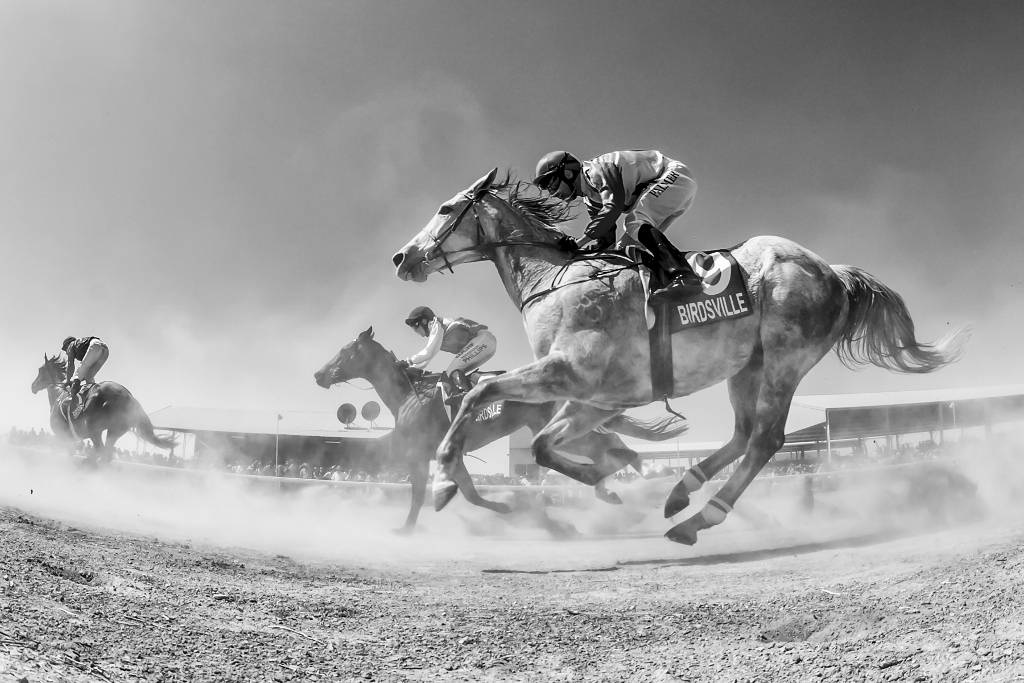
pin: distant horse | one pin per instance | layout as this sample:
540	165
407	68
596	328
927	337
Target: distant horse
421	421
585	320
106	407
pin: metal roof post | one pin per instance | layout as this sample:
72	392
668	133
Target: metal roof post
828	435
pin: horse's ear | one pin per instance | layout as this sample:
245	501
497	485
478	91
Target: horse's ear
481	186
367	333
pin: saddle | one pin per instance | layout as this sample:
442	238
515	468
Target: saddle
426	384
85	395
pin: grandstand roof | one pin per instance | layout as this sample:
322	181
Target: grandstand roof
236	421
894	398
854	416
902	412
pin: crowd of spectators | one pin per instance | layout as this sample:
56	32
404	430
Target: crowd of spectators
866	454
31	437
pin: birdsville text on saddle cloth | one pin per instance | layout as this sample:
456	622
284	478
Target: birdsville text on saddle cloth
724	295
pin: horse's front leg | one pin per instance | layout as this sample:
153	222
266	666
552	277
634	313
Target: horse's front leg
419	469
548	379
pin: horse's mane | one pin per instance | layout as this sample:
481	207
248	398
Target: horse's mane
543	211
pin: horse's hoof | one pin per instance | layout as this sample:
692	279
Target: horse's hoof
677	501
443	494
502	508
609	497
403	531
684	532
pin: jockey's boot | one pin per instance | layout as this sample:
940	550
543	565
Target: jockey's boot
75	407
682	281
444	383
460	385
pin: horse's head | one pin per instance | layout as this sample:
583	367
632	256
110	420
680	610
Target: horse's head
51	372
361	357
451	237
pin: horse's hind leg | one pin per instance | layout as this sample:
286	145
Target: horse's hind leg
743	390
113	434
469	492
544	380
572	421
766	438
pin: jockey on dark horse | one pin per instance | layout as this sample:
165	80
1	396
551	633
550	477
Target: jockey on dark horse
645	185
472	343
91	353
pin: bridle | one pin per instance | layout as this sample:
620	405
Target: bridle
485	250
482	248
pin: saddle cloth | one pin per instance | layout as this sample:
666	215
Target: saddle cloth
723	297
426	388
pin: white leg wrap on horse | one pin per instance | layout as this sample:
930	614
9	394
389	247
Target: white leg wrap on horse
715	511
693	479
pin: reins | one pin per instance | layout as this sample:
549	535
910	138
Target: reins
556	284
483	247
485	250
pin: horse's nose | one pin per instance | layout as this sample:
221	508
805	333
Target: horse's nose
319	378
397	259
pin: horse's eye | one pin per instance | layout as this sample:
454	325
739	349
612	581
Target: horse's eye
444	210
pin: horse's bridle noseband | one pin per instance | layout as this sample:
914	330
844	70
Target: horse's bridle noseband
443	235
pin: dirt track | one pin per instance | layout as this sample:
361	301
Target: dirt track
102	604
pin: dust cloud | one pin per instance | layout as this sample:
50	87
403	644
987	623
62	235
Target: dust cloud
554	531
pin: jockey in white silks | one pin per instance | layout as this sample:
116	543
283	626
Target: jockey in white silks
644	186
91	353
472	343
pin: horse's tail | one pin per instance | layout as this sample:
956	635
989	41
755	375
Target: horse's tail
658	429
144	428
879	330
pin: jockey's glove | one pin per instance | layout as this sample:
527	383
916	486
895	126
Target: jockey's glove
568	243
601	243
403	364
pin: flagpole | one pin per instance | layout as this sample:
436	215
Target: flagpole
277	441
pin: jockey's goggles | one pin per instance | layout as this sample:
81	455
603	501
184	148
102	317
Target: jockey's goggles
550	179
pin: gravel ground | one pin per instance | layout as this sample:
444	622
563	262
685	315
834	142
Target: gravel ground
81	605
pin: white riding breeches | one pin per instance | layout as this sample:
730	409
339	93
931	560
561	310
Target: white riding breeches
95	357
665	200
478	351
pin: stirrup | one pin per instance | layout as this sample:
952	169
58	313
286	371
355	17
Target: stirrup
679	286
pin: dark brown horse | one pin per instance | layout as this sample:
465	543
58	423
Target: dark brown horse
421	422
107	407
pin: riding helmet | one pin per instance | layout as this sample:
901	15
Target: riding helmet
418	314
551	164
68	341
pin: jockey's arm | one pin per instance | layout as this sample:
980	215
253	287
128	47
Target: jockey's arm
613	200
69	368
433	345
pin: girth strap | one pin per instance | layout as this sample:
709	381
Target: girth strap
660	336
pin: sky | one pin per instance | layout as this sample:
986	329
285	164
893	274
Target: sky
216	189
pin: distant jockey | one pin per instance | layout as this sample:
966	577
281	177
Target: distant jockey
471	342
92	354
644	185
